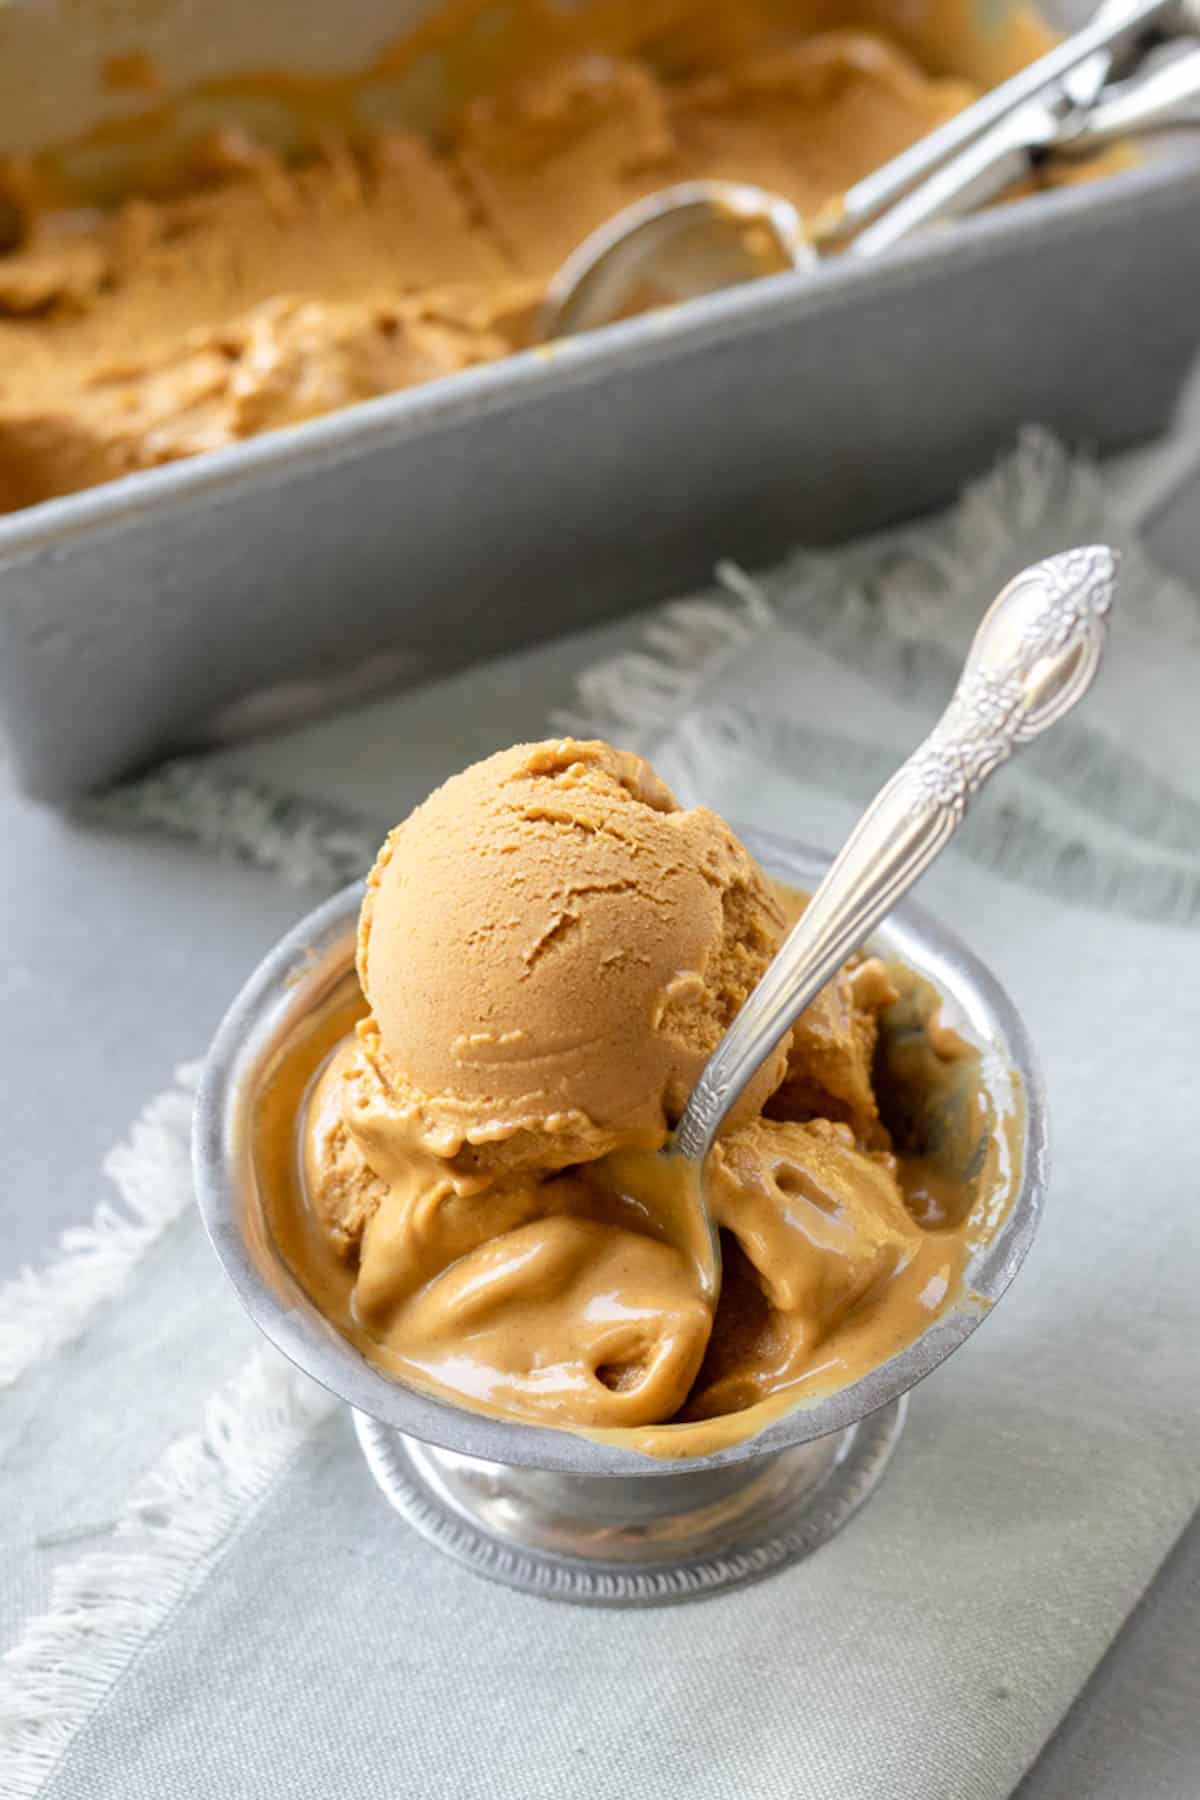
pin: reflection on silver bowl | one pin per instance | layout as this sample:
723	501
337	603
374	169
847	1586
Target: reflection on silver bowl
547	1510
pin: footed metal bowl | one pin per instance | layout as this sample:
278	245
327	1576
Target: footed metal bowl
547	1510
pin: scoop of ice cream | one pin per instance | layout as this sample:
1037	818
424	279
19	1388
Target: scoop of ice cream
812	1226
832	1047
343	1190
564	1318
551	948
831	1050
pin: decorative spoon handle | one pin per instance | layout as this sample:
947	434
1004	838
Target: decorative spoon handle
1033	657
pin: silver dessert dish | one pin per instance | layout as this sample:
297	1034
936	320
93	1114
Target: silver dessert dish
552	1512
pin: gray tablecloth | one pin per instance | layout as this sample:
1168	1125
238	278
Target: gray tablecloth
121	953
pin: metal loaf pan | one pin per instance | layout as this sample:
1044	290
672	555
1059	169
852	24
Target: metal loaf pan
538	494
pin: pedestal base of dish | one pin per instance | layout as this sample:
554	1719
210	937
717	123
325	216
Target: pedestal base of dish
604	1540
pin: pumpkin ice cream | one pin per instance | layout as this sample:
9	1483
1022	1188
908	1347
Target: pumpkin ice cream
549	949
552	948
257	290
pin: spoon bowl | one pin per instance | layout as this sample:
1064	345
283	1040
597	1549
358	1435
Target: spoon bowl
673	246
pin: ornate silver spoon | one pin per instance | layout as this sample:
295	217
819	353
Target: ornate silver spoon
1035	654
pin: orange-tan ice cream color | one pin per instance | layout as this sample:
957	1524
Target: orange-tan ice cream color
550	948
161	298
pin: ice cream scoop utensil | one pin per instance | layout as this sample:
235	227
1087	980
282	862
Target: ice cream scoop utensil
1163	92
698	236
1034	655
1113	24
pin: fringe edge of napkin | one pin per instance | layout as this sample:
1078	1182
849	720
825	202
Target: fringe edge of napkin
105	1607
308	842
636	694
1089	822
643	693
43	1309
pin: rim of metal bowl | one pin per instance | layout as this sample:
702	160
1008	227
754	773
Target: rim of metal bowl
305	964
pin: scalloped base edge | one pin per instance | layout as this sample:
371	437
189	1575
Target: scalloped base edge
593	1541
